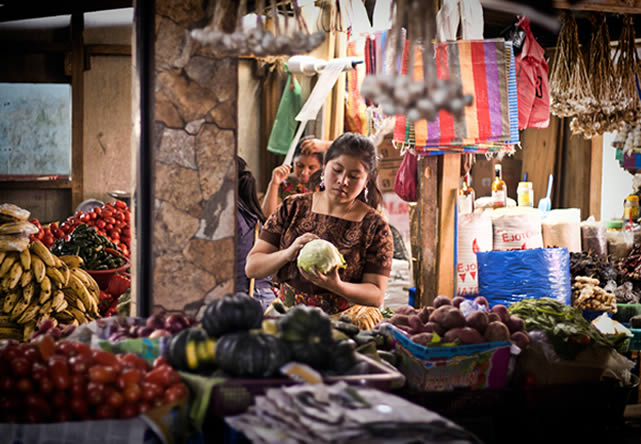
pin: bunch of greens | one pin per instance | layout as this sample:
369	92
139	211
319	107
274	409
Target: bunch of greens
566	328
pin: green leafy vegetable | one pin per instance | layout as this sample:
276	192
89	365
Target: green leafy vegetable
320	255
566	328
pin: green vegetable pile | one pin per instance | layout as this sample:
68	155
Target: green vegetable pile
566	328
90	246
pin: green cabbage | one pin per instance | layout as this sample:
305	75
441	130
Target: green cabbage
320	255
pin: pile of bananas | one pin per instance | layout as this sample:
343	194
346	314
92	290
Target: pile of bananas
35	284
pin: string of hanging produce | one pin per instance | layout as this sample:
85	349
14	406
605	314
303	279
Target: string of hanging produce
402	94
258	40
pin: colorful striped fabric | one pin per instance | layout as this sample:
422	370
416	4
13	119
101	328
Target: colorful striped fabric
485	69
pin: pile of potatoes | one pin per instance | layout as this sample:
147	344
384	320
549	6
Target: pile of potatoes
446	320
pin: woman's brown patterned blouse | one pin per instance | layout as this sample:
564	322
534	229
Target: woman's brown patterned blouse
367	246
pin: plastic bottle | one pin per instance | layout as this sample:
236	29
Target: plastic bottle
525	194
631	207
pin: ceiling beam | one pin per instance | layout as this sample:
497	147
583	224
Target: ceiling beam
23	10
612	6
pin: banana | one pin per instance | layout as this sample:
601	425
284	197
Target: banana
15	332
65	271
88	281
82	292
26	278
28	330
38	267
57	299
64	317
29	291
2	255
43	253
5	321
63	306
7	263
73	299
14	275
19	308
80	316
72	261
45	290
46	307
10	300
25	259
56	260
4	284
29	314
56	276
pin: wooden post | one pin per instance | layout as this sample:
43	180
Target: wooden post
337	113
596	172
449	174
77	99
428	221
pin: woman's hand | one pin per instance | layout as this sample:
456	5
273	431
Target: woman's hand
330	281
311	146
280	173
294	248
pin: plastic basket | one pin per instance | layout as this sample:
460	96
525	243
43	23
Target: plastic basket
441	368
234	396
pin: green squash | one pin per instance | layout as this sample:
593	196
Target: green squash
255	355
343	357
191	350
308	332
232	313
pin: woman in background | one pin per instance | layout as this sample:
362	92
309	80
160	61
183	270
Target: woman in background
249	218
343	213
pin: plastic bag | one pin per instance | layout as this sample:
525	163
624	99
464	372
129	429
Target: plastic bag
405	181
532	81
562	228
620	243
474	234
284	128
517	228
593	237
506	277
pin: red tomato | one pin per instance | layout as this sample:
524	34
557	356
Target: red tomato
59	399
103	373
40	234
48	240
79	407
175	393
24	385
101	223
46	345
109	227
38	402
115	399
128	411
130	376
79	213
120	204
59	371
105	358
33	416
7	384
160	360
150	391
9	402
109	220
98	211
115	236
83	350
46	385
93	215
132	393
66	347
105	411
107	212
78	364
53	226
63	415
20	366
38	371
144	407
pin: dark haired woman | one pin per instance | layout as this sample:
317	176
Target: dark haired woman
249	217
343	213
286	180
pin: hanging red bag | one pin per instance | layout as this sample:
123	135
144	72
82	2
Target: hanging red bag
405	181
532	81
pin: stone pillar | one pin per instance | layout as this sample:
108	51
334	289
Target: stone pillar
194	141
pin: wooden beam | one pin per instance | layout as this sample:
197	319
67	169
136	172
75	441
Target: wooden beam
337	114
77	101
427	236
21	10
108	50
449	174
596	177
612	6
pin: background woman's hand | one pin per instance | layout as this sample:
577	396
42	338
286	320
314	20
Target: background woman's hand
280	173
300	241
311	146
329	281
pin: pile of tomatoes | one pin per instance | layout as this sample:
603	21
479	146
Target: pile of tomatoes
44	381
111	220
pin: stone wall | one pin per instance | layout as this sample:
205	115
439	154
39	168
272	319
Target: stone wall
194	171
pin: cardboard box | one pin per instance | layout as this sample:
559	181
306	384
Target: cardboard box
483	175
387	152
387	174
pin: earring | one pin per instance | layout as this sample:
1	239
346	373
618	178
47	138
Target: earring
322	182
366	193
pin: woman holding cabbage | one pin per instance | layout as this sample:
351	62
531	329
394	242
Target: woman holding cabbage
342	213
